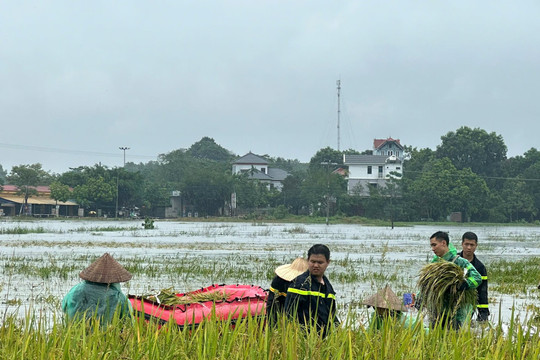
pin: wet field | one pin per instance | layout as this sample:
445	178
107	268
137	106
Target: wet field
40	260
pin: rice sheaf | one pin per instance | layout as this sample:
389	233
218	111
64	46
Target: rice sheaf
438	284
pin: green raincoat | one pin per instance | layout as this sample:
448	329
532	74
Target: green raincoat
376	322
473	279
90	299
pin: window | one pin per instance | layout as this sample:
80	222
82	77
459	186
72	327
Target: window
380	169
398	168
263	170
369	169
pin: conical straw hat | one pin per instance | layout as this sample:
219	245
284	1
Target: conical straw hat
105	270
290	271
385	298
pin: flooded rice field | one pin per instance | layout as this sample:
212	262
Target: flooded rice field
40	260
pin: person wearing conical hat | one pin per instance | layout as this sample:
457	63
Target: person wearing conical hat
388	307
99	294
285	274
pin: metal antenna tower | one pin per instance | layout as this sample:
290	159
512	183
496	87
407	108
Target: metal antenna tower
338	83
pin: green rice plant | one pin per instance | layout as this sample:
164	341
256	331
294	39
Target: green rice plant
36	337
513	276
103	229
438	284
23	230
296	230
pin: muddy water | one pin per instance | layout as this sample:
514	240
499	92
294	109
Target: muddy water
190	255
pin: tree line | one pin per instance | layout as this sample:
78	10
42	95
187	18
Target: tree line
468	172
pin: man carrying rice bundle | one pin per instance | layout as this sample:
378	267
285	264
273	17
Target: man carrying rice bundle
445	287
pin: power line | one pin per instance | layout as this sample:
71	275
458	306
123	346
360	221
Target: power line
480	176
69	151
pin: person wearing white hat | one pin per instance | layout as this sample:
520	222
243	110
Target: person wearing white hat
285	274
99	294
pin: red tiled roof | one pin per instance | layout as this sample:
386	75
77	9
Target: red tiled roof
15	188
377	143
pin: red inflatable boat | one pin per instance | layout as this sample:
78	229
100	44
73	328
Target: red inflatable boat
242	301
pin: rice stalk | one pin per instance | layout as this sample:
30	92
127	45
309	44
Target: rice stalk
438	285
170	297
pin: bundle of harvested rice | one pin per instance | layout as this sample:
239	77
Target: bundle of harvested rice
168	297
438	285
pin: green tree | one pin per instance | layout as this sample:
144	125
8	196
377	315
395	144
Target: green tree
515	166
476	149
206	188
323	190
155	195
515	201
174	166
325	155
246	191
441	189
60	192
27	177
291	166
96	193
207	149
416	160
129	188
3	175
531	177
291	193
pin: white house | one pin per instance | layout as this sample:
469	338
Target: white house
367	171
257	168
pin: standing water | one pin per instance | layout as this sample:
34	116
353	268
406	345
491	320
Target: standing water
41	260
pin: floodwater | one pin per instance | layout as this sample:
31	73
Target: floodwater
364	258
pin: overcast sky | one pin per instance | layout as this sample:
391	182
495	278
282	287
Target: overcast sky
79	79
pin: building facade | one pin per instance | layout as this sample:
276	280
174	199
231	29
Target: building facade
373	171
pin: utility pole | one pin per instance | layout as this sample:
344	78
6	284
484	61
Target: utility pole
328	163
123	148
338	111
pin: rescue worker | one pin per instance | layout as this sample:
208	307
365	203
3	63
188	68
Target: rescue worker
311	299
469	242
275	302
444	251
99	294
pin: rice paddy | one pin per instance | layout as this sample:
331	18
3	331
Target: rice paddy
40	264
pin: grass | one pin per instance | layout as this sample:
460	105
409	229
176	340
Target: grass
18	230
51	338
511	276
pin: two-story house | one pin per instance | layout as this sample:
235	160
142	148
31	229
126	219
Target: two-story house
257	168
367	171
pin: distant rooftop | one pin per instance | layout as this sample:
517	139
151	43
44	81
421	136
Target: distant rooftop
251	158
